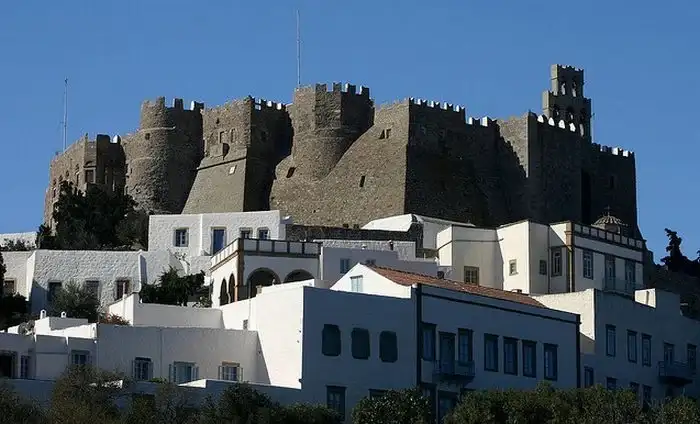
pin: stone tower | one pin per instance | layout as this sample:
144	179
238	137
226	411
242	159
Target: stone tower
243	141
162	157
325	124
565	99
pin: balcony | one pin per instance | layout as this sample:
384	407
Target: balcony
453	372
623	287
675	373
267	247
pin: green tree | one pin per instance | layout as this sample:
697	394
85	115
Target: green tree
173	289
170	404
94	220
76	301
84	395
15	245
680	410
14	308
16	410
241	404
393	407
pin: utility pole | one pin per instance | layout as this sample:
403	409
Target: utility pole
65	113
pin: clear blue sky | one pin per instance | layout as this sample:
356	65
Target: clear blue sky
641	61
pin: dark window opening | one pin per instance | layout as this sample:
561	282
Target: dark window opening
362	181
290	172
612	182
330	340
147	136
360	343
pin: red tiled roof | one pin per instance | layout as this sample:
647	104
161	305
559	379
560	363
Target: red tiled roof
405	278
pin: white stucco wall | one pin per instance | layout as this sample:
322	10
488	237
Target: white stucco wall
461	246
331	261
103	266
161	229
600	249
514	244
155	315
372	283
358	376
29	238
16	264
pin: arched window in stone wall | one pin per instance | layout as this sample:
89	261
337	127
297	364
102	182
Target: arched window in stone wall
232	288
574	87
223	294
569	114
298	275
562	87
555	112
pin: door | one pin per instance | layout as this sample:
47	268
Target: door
7	365
218	240
668	353
447	353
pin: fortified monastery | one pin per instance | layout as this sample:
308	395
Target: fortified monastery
334	158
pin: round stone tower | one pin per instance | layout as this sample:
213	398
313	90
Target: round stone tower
162	157
325	124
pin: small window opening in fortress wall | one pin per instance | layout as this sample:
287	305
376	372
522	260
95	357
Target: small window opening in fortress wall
221	136
147	136
362	181
290	172
612	182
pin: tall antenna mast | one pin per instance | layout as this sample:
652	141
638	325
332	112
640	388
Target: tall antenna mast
298	52
65	113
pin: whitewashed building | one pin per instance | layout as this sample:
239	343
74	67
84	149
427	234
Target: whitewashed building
641	342
469	338
536	258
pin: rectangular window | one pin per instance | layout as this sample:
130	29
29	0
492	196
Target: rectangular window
218	240
610	340
93	287
344	265
529	358
669	353
543	267
646	395
181	237
54	287
512	267
330	340
80	357
471	274
360	343
551	363
24	367
465	352
263	233
692	352
510	356
245	233
89	175
634	387
491	352
8	287
630	272
229	371
646	350
122	287
143	369
588	377
556	262
335	399
183	372
631	346
388	346
611	383
356	284
428	336
610	269
587	264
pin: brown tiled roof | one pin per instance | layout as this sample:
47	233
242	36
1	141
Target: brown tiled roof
405	278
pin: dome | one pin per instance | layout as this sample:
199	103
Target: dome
611	223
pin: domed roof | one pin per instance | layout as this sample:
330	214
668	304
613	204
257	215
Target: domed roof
608	220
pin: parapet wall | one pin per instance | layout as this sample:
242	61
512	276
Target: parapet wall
155	114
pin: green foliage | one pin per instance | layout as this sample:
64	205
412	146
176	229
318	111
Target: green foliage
13	310
173	289
76	301
95	220
240	403
3	268
113	319
303	413
17	245
675	260
16	410
393	407
83	395
169	405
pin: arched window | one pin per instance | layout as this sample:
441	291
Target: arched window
555	112
223	294
562	88
574	88
569	115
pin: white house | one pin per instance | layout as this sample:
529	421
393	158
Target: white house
469	338
431	228
206	234
540	259
38	274
243	266
642	343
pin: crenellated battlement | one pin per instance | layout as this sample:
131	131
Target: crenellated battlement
337	87
448	107
543	119
483	122
262	104
615	151
177	104
86	143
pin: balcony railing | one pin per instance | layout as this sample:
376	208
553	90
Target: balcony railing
267	247
454	371
616	285
676	373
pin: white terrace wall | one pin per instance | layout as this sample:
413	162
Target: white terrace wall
155	315
16	264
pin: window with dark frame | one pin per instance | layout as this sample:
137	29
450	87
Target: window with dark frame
646	350
610	340
512	267
360	343
428	341
335	399
551	362
587	264
181	237
631	346
388	346
330	340
465	346
491	352
471	274
510	356
529	358
556	262
588	377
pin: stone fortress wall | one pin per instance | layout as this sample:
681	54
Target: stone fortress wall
331	158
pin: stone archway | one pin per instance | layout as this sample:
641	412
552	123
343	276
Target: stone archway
261	277
298	275
232	288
